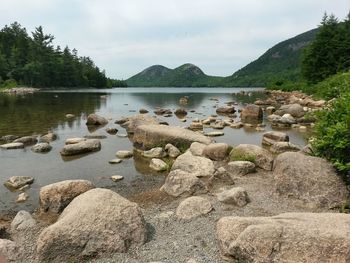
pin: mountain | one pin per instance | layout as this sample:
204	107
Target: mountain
281	62
187	75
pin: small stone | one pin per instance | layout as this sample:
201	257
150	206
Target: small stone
13	145
116	178
172	151
157	152
124	154
214	134
42	147
70	116
112	131
115	161
22	197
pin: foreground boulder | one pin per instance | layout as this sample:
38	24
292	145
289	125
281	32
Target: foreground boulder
310	179
249	152
148	136
94	119
8	251
251	114
289	237
196	165
55	197
192	207
91	145
183	183
97	221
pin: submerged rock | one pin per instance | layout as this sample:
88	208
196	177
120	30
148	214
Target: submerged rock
96	222
289	237
158	165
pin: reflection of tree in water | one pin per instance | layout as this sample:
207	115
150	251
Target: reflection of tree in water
164	100
39	112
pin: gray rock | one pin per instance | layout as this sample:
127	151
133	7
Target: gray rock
22	197
115	161
251	114
116	178
183	183
96	222
8	250
197	148
158	165
16	182
22	221
55	197
124	154
75	140
216	151
27	140
281	147
91	145
146	136
289	237
240	168
157	152
41	147
309	179
196	165
94	119
235	196
12	145
262	158
172	151
49	137
192	207
271	137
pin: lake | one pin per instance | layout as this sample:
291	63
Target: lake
43	111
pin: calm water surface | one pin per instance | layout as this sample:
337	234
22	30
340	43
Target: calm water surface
37	113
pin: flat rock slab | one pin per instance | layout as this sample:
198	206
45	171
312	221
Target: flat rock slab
289	237
13	145
91	145
149	136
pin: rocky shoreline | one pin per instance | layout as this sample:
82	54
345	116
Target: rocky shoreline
218	203
20	90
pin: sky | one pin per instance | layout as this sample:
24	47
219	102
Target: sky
126	36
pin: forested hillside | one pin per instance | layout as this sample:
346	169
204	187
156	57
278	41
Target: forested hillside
33	60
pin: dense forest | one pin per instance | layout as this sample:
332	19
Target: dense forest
33	60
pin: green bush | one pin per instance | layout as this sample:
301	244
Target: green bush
333	87
332	133
9	83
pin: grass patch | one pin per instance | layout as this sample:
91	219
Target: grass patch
240	156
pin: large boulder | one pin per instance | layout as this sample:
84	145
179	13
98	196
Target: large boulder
310	179
196	165
271	137
94	119
148	136
132	122
91	145
183	183
216	151
192	207
249	152
55	197
251	114
97	221
289	237
296	110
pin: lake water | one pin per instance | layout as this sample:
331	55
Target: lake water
37	113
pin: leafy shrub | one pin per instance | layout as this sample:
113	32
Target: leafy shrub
9	83
333	86
332	133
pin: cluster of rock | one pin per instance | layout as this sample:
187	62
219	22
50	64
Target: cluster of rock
20	90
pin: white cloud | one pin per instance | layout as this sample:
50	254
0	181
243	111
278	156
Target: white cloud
125	36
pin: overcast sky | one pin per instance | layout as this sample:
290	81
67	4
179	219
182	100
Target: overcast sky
125	36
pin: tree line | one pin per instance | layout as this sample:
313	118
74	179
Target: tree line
33	60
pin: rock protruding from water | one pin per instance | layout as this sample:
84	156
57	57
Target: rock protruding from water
271	137
42	147
94	119
192	207
182	183
86	146
132	122
309	179
281	147
251	114
249	152
12	145
289	237
158	165
147	136
27	140
16	182
55	197
97	221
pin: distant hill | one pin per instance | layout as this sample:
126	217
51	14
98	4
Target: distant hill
281	62
187	75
